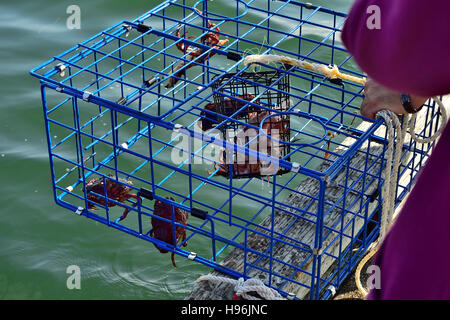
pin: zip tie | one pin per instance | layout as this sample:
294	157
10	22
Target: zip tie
79	211
61	68
128	28
86	96
148	83
177	127
122	101
192	256
290	296
332	290
295	166
143	28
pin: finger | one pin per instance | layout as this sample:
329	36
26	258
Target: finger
366	109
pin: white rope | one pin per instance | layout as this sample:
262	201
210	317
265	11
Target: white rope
243	288
390	184
329	71
389	187
393	163
443	120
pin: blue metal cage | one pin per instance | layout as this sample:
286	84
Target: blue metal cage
118	109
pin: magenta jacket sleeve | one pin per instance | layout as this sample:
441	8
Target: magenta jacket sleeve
410	51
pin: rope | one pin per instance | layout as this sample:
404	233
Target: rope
389	187
243	288
431	139
331	72
393	164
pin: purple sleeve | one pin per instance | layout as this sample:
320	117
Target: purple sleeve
410	52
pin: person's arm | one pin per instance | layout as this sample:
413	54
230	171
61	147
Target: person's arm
410	51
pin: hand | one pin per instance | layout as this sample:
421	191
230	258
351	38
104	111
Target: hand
379	98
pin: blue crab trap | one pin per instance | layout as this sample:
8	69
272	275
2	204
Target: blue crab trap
156	128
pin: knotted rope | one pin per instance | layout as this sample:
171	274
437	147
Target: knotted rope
242	287
329	71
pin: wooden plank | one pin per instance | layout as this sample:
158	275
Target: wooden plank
304	231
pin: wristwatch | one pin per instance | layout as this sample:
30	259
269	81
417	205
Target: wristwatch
407	105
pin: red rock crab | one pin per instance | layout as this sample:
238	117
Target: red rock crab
163	230
210	39
119	192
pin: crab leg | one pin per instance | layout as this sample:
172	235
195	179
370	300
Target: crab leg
173	259
182	71
210	38
125	213
181	237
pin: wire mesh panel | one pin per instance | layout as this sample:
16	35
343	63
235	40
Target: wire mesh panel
143	123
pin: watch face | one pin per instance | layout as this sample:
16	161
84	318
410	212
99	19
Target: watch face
405	98
406	102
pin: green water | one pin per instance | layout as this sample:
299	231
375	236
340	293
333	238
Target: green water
38	239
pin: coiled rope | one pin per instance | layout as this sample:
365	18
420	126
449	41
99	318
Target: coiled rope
389	186
243	288
390	183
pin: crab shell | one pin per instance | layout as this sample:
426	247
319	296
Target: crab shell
116	191
163	230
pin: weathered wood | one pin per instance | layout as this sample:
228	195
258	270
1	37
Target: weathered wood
303	230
